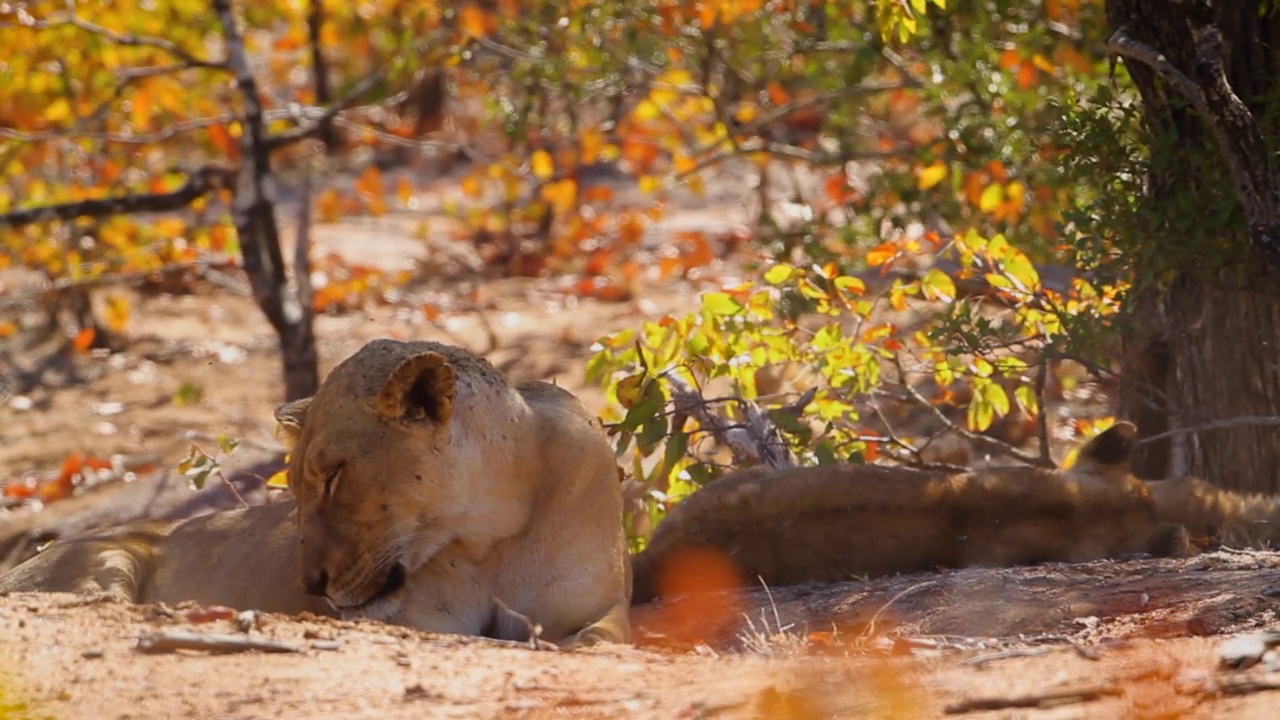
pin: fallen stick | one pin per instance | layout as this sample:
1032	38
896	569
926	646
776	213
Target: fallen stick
167	642
1051	698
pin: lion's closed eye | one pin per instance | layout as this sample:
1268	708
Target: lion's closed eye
331	481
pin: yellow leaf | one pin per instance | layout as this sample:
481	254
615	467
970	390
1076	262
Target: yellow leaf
1016	193
280	479
118	312
562	195
58	111
650	184
939	286
991	197
646	111
932	175
543	166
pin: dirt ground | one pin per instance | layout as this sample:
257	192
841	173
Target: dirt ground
1138	639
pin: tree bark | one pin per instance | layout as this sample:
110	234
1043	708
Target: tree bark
1208	339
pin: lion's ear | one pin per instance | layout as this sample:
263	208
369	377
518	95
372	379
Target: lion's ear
291	415
1111	449
421	387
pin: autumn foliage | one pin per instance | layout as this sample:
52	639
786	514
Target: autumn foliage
906	251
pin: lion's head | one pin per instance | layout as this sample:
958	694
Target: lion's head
373	471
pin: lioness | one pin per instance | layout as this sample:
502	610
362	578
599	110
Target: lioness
832	523
429	493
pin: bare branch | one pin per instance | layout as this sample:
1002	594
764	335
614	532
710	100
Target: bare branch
757	439
168	133
198	184
1227	424
320	73
326	117
207	265
129	40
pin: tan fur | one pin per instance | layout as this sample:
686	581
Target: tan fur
1208	511
832	523
488	497
241	558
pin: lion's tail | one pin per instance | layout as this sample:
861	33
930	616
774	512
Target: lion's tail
1210	511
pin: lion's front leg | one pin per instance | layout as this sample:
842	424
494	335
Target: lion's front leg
614	627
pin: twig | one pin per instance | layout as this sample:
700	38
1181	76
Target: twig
757	439
534	629
980	660
999	445
1042	413
1254	420
174	640
328	117
198	184
875	617
1050	698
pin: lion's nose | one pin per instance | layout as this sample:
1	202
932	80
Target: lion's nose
316	581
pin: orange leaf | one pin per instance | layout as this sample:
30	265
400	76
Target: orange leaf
84	340
370	182
226	144
597	193
475	22
669	266
778	95
630	228
404	191
881	254
707	12
1027	76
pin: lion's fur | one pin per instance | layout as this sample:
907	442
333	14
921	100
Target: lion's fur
833	523
241	558
492	497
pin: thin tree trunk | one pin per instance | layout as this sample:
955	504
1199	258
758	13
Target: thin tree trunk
257	231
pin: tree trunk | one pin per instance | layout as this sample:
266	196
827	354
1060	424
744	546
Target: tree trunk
298	352
1206	338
